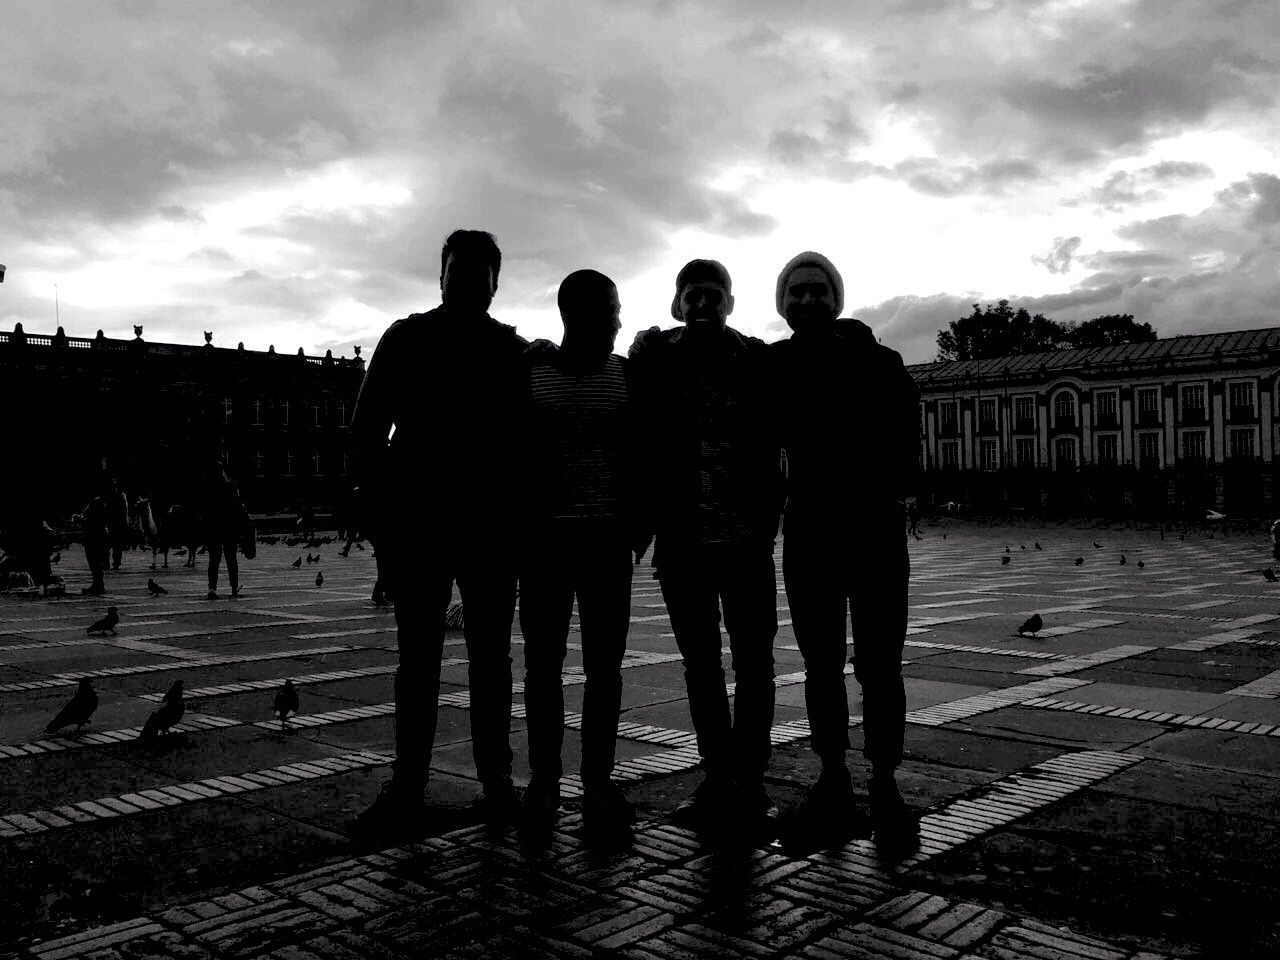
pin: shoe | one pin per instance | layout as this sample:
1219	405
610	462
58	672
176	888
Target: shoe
235	593
540	802
707	806
606	808
396	812
211	595
827	817
896	826
92	591
498	803
756	813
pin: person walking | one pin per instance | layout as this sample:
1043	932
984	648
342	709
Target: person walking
224	516
585	528
714	474
848	417
454	384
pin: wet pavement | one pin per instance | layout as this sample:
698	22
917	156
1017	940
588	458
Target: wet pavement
1106	788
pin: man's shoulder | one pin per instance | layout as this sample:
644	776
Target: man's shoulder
654	339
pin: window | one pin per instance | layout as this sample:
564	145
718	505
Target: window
1106	404
1065	452
987	413
1149	449
226	410
1149	405
1242	443
1193	445
947	416
1241	397
342	413
1025	451
257	414
1024	412
951	455
317	464
988	455
1193	403
259	463
1108	449
288	463
1064	410
284	417
315	414
346	463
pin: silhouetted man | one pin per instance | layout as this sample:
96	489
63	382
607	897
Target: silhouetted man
583	533
849	423
449	388
714	477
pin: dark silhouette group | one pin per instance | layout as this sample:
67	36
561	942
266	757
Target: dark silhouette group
534	474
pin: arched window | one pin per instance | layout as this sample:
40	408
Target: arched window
1064	410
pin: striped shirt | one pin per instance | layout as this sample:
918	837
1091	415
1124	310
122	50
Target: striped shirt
579	422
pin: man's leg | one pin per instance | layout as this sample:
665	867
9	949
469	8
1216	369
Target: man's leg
233	566
748	590
420	641
215	555
546	608
604	611
487	582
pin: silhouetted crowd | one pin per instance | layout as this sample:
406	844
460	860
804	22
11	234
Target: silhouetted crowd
534	475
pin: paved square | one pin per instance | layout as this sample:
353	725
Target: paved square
1105	788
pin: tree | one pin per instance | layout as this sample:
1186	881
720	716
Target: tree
1001	331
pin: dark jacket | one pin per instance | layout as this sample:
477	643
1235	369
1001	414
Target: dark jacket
703	413
848	418
456	390
222	512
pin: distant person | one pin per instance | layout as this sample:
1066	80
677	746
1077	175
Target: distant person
1275	539
180	528
348	520
445	493
96	534
913	518
583	532
223	514
849	422
118	521
306	524
713	472
150	530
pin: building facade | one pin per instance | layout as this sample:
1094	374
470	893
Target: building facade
160	412
1161	430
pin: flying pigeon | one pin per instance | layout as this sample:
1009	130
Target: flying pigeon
286	702
1079	561
1032	625
1004	561
1123	561
78	709
106	623
1269	575
319	579
1038	547
154	588
166	715
296	564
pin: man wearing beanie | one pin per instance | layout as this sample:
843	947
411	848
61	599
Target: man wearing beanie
714	473
849	423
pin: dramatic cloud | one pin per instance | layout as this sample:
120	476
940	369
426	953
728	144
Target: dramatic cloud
1058	259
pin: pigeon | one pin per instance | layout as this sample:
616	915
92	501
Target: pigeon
1079	561
1141	564
166	715
1123	561
1006	548
1032	625
1162	533
154	588
944	534
1004	561
286	702
78	709
1097	545
319	579
296	564
57	557
1038	547
359	545
1024	546
106	623
1269	575
310	559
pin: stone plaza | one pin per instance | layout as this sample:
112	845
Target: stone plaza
1106	788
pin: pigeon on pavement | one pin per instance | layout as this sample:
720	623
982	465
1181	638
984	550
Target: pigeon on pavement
1141	564
286	702
319	579
78	709
1123	561
166	715
1004	561
106	623
1032	625
1269	575
1079	561
297	563
154	588
1097	545
1038	547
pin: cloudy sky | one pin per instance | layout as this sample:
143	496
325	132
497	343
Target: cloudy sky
284	173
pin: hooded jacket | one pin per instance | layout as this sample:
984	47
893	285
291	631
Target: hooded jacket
848	418
456	390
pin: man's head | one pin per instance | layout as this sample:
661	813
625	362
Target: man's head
703	299
810	292
589	308
469	265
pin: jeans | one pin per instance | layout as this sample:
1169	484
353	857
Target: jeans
216	552
698	581
421	588
827	574
595	566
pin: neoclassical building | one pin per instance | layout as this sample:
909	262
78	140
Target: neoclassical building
159	412
1162	429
